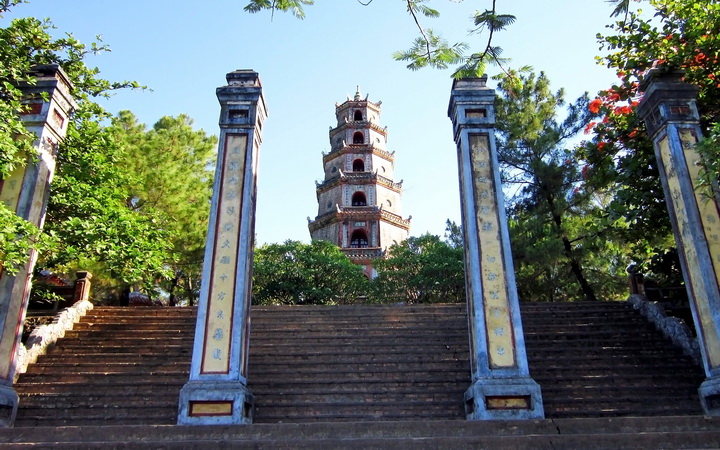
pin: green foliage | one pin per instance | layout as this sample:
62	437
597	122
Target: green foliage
294	6
423	269
431	50
169	172
293	273
17	238
25	43
88	214
557	236
677	34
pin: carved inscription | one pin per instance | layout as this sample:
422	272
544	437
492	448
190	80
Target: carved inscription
218	330
500	339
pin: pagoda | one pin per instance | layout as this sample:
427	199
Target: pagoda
358	200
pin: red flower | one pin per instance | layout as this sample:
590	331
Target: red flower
595	105
620	110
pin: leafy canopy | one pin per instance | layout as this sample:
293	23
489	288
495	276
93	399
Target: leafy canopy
293	273
424	269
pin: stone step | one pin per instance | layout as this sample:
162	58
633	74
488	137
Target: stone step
101	379
258	362
98	415
47	403
279	367
116	389
110	369
681	439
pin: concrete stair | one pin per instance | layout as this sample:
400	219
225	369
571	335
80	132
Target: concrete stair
125	366
677	432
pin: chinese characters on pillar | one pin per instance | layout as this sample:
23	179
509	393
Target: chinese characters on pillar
500	339
216	358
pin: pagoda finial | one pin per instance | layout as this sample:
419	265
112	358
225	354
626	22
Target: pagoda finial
357	93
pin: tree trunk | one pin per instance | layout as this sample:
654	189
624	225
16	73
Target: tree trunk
575	266
173	286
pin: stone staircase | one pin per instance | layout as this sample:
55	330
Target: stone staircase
361	364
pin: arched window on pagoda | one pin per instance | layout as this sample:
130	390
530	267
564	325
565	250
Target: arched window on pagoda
358	138
358	239
358	199
358	165
358	116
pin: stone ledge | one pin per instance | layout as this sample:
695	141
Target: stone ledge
673	328
43	336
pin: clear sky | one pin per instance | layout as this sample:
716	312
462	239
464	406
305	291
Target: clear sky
182	50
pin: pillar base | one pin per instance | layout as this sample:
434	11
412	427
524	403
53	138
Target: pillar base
504	398
709	392
8	406
215	403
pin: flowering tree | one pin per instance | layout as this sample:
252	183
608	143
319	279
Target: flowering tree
679	35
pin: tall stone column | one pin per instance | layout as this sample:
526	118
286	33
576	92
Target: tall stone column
501	384
217	391
670	113
26	192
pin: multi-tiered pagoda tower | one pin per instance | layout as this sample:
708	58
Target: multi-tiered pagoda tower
358	201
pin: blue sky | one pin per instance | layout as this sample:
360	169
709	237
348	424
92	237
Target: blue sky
182	51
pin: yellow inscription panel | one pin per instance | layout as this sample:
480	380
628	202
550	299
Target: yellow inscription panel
498	322
218	327
696	272
211	408
507	402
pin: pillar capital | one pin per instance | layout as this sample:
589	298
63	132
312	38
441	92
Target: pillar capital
472	105
667	98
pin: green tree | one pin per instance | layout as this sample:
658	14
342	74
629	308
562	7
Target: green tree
424	269
550	209
293	273
170	168
87	215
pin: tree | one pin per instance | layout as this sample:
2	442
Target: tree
89	218
170	168
678	34
429	49
87	215
550	211
293	273
425	269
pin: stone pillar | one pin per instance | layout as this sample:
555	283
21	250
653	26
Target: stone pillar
26	192
217	391
501	384
82	286
670	113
